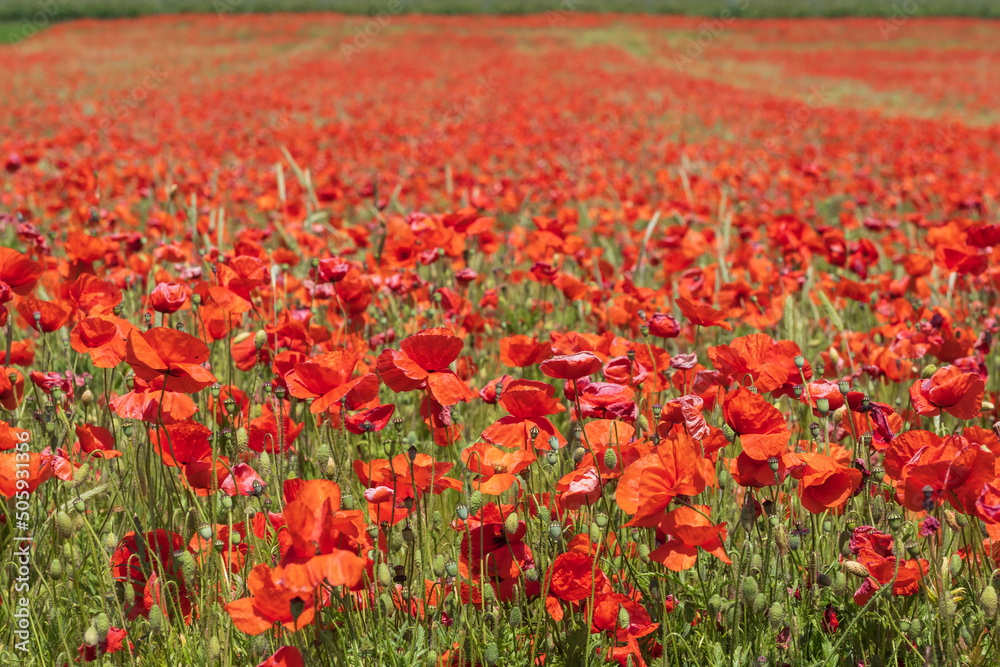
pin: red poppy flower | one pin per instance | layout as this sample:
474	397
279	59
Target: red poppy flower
15	477
269	603
423	361
18	271
286	656
496	469
171	356
11	388
649	485
522	351
103	338
51	315
96	440
663	325
147	561
371	420
761	427
824	483
949	389
168	297
152	403
113	642
703	315
528	403
689	529
327	379
750	355
572	366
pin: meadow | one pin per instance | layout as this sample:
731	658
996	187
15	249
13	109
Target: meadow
557	339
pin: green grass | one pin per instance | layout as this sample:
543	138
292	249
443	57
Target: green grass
49	10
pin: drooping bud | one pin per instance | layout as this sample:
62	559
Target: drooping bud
728	431
260	339
857	569
610	458
928	371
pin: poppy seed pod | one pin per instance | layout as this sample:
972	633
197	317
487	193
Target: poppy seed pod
895	522
555	531
823	405
462	512
799	361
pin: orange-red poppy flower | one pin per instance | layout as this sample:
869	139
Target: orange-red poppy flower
423	360
168	297
171	356
103	338
572	366
327	378
689	529
761	427
824	484
528	403
496	469
521	351
703	315
949	390
750	356
18	271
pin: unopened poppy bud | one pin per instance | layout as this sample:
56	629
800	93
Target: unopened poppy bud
492	653
949	518
260	339
515	619
156	620
856	568
794	542
988	602
55	569
987	408
90	636
776	616
475	502
955	565
214	650
823	405
610	458
64	525
87	397
623	618
643	422
827	526
729	433
748	589
510	523
928	371
384	576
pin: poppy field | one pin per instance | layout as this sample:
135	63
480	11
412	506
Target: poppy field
563	339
